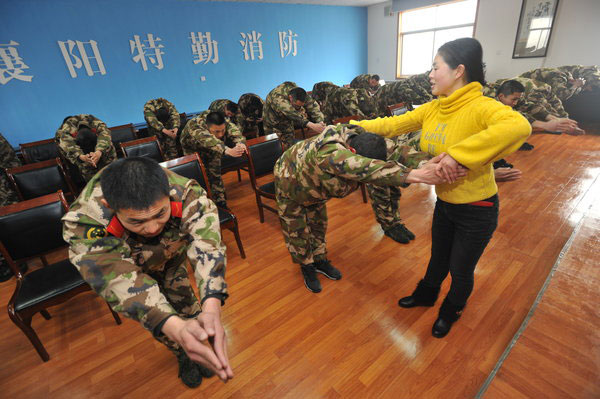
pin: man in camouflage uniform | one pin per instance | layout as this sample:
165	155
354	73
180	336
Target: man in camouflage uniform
131	233
535	101
288	106
230	109
385	200
562	83
87	163
321	90
8	159
341	102
330	165
163	122
413	90
213	137
366	81
251	107
589	74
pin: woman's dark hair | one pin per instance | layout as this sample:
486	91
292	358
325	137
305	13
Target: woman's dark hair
468	52
133	183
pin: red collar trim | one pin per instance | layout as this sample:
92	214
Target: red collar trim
115	227
176	209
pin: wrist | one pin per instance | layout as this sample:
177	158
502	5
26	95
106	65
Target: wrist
172	326
413	176
212	305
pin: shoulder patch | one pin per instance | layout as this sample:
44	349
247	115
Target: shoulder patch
95	232
115	227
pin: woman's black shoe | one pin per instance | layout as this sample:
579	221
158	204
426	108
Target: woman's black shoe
422	296
449	313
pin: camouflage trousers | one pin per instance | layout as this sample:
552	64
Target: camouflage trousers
167	144
385	203
175	286
284	131
88	171
213	172
304	229
8	195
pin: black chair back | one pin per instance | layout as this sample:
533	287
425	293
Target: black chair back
264	155
33	231
147	147
121	134
38	151
39	179
191	170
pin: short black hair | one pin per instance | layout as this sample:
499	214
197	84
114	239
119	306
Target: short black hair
163	115
298	94
376	77
255	107
64	120
133	183
215	118
509	87
86	140
369	145
231	107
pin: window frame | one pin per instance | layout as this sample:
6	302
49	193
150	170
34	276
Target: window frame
400	35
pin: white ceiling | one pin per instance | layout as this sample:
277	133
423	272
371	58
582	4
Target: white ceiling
356	3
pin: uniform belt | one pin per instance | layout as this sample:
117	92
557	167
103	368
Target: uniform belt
482	203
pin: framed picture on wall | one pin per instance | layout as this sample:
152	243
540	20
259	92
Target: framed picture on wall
535	27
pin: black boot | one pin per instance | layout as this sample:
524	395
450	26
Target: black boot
526	147
189	372
397	234
449	313
423	295
327	269
310	278
408	233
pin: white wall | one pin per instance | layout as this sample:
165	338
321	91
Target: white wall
575	37
381	42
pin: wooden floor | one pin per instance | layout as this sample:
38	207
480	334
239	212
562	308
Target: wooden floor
352	340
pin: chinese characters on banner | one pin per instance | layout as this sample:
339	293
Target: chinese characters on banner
148	48
86	54
11	65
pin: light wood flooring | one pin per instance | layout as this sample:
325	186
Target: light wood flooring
352	340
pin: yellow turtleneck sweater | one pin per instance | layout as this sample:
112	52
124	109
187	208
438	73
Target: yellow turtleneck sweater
475	130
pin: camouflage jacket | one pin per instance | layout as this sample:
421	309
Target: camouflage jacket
410	91
342	101
536	103
196	137
278	108
323	167
123	267
67	132
219	105
8	157
154	105
362	82
321	90
590	73
557	79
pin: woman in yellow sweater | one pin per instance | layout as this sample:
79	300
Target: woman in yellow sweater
473	131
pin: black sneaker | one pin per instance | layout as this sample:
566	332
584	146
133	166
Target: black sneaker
188	370
397	234
526	147
326	268
501	163
310	278
407	232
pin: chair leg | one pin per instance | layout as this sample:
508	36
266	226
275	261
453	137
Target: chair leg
364	192
45	314
261	214
236	233
239	175
115	315
25	326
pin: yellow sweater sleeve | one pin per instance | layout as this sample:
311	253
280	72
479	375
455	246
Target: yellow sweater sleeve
506	131
392	126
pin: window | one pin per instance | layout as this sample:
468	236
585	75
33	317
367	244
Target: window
422	31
